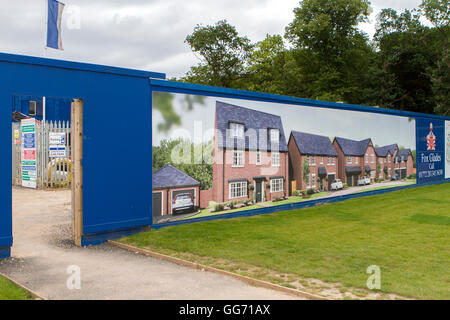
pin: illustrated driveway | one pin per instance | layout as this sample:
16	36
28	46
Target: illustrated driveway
43	252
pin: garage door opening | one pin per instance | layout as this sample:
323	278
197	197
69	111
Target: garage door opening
47	177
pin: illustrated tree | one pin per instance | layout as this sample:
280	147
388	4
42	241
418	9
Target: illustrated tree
199	168
222	52
306	170
378	169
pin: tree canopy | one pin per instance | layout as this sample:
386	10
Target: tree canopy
324	55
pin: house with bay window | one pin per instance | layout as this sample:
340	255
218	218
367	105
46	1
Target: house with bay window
321	156
250	155
355	160
385	157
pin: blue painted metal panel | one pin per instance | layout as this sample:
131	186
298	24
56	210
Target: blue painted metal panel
78	66
117	151
57	109
99	238
5	252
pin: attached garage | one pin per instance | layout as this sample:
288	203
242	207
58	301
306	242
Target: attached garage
157	203
168	183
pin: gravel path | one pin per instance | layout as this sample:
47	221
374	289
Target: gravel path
43	251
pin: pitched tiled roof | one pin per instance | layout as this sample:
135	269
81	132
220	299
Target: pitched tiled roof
169	176
383	151
405	153
257	122
352	147
312	144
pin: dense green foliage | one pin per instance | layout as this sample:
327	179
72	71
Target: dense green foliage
325	56
193	159
404	232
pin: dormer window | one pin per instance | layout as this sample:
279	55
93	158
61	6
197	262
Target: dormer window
236	130
274	135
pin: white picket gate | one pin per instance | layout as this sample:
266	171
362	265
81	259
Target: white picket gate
52	172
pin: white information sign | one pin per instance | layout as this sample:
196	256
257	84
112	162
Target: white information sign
29	166
57	144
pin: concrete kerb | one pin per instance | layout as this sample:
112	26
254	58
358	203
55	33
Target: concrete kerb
33	294
251	281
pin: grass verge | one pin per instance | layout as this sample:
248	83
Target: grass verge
404	232
9	291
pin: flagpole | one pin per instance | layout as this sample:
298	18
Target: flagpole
45	54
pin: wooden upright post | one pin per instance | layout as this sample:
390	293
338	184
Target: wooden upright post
77	170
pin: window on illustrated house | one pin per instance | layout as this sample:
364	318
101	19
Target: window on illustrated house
238	189
276	185
356	160
389	159
275	159
313	180
237	130
308	183
313	161
367	158
274	135
238	158
333	161
307	160
372	158
258	158
349	160
328	161
321	160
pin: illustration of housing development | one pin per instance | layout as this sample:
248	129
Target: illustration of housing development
253	165
320	155
249	150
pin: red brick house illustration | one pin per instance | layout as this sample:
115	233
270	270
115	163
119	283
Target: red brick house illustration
250	155
355	160
319	153
168	182
385	156
403	163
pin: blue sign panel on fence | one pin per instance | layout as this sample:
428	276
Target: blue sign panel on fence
430	150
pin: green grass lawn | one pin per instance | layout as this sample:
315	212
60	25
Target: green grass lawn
9	291
405	233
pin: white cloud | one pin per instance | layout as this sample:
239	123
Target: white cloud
147	34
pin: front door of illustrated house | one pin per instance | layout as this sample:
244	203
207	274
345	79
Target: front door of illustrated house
258	191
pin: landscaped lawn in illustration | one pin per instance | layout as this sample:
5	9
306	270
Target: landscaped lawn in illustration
294	199
9	291
404	232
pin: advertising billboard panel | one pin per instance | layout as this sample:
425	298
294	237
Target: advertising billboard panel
214	155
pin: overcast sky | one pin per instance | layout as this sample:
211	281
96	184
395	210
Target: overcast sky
146	34
382	129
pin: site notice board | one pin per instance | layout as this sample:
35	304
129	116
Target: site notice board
29	166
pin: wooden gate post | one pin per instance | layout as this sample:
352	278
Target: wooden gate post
77	170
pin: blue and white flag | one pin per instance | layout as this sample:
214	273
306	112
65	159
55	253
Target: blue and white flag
55	11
